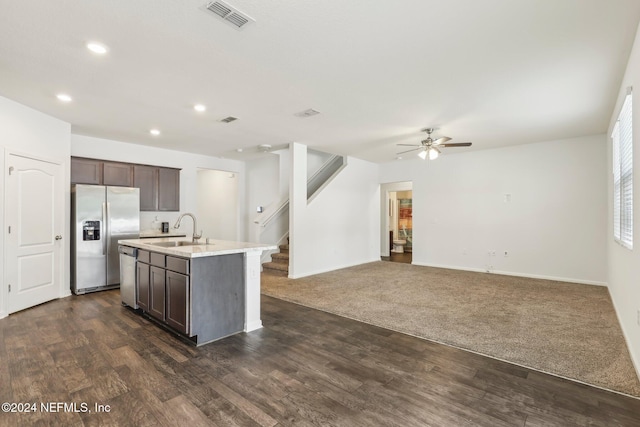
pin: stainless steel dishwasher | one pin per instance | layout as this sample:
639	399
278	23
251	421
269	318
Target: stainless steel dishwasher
128	257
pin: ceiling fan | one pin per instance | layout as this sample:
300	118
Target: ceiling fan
431	147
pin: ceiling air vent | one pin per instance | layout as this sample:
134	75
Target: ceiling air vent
230	14
229	119
307	113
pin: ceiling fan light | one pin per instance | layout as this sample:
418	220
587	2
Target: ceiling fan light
423	154
433	154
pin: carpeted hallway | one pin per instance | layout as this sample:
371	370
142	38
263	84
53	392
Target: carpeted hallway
566	329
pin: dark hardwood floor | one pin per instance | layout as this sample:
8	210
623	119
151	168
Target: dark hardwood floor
305	367
405	257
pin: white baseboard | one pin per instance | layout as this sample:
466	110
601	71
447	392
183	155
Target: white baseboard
253	326
332	268
511	273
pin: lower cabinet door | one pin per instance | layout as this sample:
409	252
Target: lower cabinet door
178	302
157	293
142	282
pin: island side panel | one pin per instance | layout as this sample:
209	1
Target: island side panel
217	296
252	294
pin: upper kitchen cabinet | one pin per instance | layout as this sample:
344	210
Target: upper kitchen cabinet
99	172
86	171
168	189
159	188
146	179
118	174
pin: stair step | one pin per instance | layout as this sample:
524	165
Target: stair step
276	268
280	258
284	248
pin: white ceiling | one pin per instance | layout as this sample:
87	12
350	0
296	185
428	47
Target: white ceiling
494	72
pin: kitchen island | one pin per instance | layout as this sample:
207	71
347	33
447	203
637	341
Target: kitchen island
203	291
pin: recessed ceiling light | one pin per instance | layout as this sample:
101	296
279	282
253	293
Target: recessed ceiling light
399	158
98	48
200	108
239	150
154	132
64	97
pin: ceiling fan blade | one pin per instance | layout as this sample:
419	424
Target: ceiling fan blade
409	145
457	144
442	140
408	151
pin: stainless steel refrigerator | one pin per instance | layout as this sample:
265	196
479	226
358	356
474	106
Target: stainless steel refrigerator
100	216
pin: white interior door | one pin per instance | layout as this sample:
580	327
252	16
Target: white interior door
34	203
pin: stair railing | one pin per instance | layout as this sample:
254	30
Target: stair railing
273	223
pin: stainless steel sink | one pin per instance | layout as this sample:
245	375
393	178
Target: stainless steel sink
177	243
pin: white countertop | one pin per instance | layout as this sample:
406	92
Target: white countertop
212	248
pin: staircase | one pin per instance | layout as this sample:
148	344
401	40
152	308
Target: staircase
279	264
274	221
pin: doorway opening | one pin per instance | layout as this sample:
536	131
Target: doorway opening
397	242
217	210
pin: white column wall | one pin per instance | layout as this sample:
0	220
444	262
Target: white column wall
624	264
553	226
340	226
27	131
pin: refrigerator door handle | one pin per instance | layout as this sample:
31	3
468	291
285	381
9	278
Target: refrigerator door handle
108	222
104	228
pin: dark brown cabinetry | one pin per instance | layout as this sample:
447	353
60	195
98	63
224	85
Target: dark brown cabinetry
146	179
177	286
168	189
86	171
163	288
157	293
118	174
159	186
142	283
98	172
201	298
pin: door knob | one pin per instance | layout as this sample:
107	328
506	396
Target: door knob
58	237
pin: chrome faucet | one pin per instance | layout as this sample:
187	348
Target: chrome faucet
196	236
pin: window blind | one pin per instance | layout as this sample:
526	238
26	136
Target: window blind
622	137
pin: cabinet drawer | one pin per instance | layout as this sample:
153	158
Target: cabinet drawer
179	265
157	259
143	256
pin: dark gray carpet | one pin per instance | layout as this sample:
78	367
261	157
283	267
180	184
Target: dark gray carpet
566	329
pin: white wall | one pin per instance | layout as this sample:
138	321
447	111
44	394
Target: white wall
217	201
553	227
340	226
84	146
624	264
27	131
263	189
